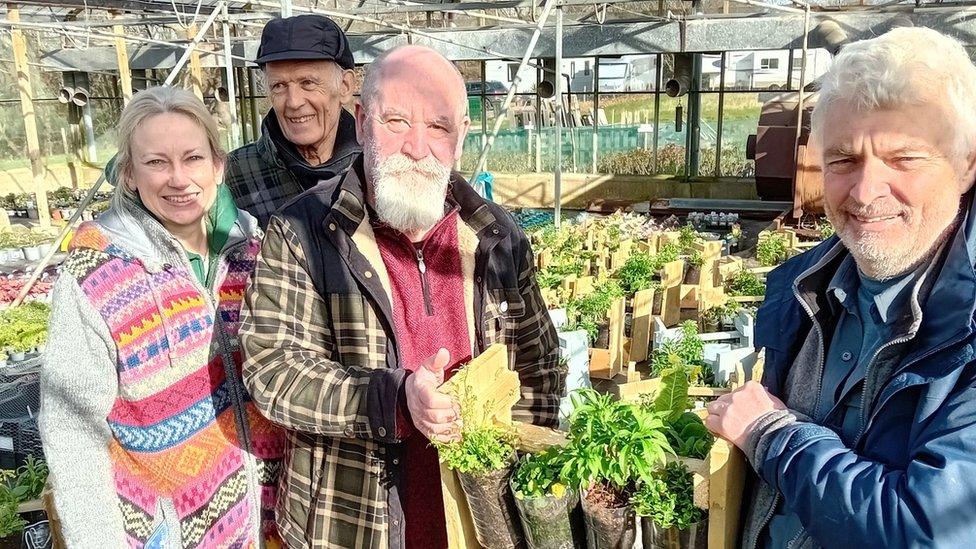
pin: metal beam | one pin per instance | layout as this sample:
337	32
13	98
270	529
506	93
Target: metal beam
179	6
768	32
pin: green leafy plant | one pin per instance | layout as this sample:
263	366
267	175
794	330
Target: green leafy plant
687	237
744	283
689	437
16	487
826	228
668	498
667	254
685	352
637	273
24	327
537	475
771	250
487	448
588	312
612	443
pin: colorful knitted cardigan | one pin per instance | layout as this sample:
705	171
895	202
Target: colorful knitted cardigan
180	441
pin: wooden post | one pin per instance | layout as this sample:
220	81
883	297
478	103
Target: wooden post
122	55
196	68
30	120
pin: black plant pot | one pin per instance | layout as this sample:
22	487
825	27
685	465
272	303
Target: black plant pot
655	537
609	528
602	336
493	509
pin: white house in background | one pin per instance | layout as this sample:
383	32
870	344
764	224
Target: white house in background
505	71
766	70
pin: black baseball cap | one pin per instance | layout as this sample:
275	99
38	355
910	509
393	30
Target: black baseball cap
304	37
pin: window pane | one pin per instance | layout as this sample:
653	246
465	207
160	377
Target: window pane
756	70
739	119
626	134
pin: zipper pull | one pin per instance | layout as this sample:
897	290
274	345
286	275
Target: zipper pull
420	261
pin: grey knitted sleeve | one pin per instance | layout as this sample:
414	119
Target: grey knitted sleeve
763	429
78	388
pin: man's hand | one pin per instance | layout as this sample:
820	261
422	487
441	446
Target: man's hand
434	414
733	416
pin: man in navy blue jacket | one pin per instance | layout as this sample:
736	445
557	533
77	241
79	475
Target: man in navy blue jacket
863	430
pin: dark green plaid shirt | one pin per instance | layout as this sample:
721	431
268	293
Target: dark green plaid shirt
263	176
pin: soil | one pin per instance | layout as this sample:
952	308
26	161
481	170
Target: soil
602	496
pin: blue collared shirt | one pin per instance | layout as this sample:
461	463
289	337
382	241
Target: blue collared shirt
866	311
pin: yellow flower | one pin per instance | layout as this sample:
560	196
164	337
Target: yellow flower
558	490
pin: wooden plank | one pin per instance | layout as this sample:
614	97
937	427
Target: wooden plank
689	296
671	306
486	388
748	298
632	391
727	470
616	315
584	286
600	364
640	330
457	514
536	439
672	273
196	68
26	91
709	249
122	57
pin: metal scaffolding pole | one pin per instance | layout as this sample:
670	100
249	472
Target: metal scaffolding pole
286	10
558	96
235	126
511	90
193	44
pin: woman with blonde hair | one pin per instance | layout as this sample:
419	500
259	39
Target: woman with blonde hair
150	436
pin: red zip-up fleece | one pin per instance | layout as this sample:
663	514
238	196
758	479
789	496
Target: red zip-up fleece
427	286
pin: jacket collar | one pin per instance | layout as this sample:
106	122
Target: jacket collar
279	151
942	302
349	208
134	233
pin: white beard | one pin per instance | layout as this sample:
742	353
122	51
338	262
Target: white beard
409	194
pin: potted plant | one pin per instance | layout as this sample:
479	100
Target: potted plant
744	283
771	250
590	312
711	318
22	519
549	509
669	517
612	446
483	460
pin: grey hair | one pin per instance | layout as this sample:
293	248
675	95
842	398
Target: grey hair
905	66
374	75
152	102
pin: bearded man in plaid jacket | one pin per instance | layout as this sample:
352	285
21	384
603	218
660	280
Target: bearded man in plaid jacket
369	291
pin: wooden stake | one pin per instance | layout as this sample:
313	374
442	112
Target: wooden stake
122	56
30	119
196	68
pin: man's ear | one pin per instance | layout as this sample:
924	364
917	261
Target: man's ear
360	122
462	134
969	176
346	87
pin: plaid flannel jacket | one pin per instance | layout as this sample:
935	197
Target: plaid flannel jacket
260	180
321	355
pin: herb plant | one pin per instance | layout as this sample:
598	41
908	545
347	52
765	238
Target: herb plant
668	498
487	448
612	443
538	475
637	273
771	250
16	487
745	283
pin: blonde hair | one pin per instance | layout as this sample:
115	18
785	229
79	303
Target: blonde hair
152	102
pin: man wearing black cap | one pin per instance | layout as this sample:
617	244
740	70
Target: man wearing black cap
307	137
